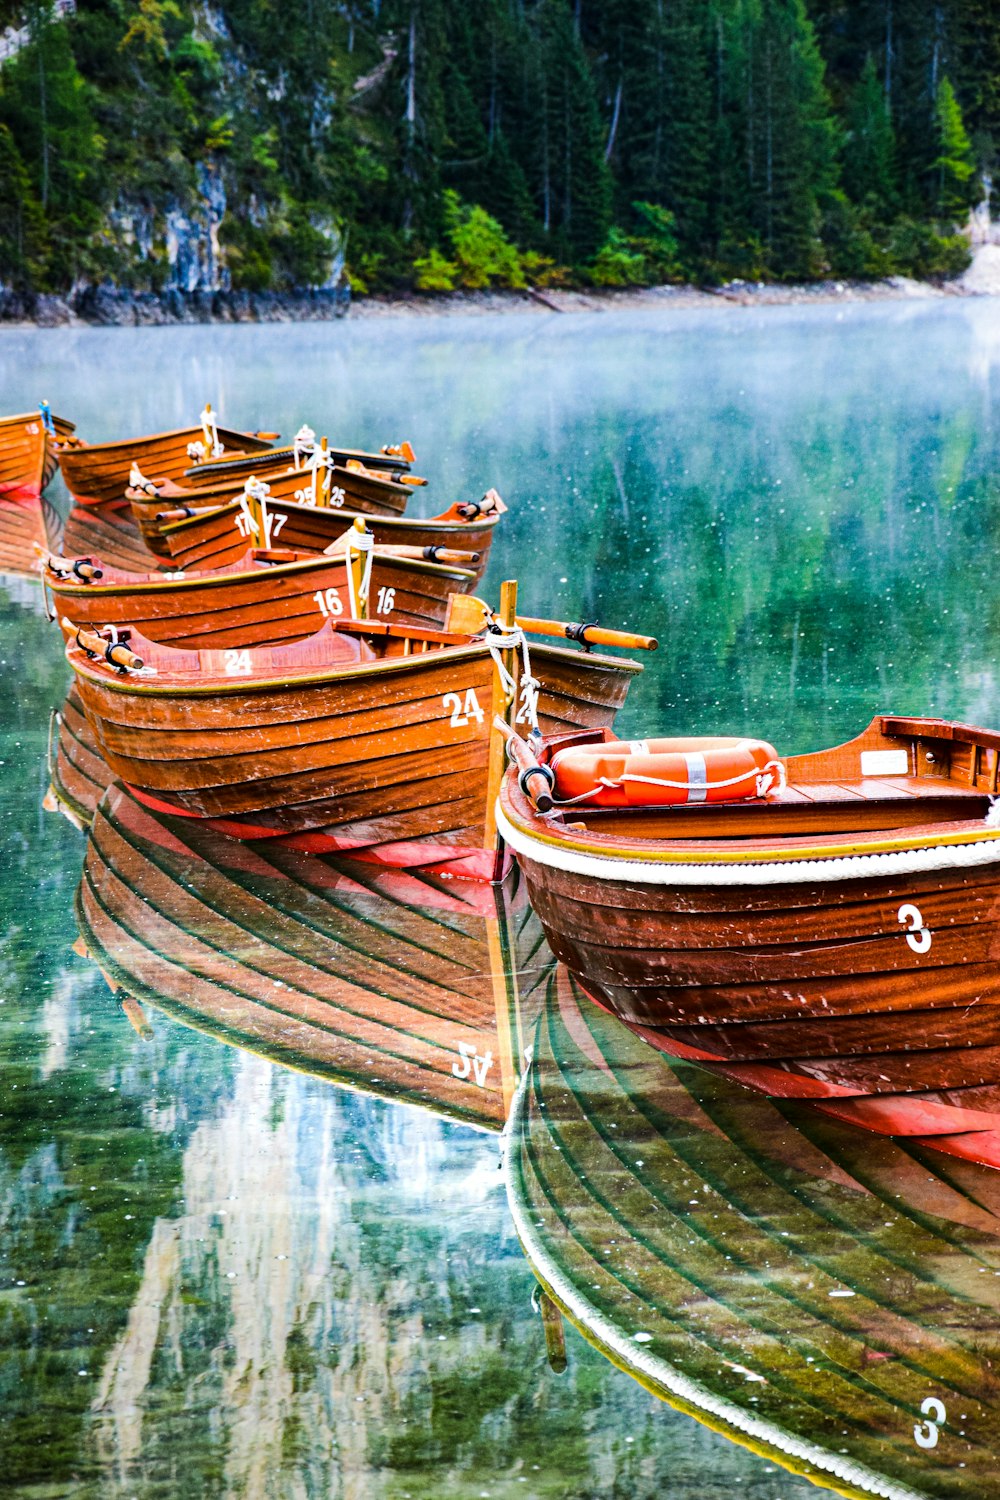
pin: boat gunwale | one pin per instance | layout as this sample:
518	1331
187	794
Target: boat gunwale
279	503
626	862
173	685
143	583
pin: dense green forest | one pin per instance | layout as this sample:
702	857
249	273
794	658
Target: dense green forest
438	143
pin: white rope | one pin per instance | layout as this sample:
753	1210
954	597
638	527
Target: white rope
499	638
764	782
303	443
320	460
257	489
138	481
981	851
210	432
359	542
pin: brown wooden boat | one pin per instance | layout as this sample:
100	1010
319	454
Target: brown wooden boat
212	538
268	597
826	1298
29	450
96	472
392	461
29	446
157	503
381	981
836	940
363	737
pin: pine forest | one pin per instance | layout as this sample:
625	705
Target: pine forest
429	145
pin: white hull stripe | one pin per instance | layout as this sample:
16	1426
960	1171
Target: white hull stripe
645	1363
985	851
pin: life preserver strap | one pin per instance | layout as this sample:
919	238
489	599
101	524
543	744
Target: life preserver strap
667	772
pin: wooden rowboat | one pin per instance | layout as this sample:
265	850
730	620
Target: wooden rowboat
212	538
365	737
99	472
380	981
825	1298
836	940
29	450
29	446
154	504
266	598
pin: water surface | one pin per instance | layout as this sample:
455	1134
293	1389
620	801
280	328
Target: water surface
226	1270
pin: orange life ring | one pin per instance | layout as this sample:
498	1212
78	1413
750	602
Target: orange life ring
666	773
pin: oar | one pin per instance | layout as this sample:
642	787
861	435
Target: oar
535	780
81	567
110	651
429	554
467	615
588	635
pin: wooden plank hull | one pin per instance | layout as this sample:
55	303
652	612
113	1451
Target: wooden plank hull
794	1283
389	754
259	605
218	537
866	977
99	472
352	494
382	982
28	454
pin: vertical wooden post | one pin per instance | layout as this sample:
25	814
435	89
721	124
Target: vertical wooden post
505	708
321	478
356	560
256	512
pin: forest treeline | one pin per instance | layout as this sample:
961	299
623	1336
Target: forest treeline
442	143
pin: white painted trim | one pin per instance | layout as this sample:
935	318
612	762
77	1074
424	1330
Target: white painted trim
645	1363
983	851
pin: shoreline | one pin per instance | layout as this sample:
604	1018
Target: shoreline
111	309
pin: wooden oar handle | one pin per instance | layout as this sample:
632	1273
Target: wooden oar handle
589	635
446	555
535	780
110	651
80	567
179	513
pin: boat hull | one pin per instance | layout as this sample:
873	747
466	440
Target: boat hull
387	756
261	605
28	454
218	537
352	493
876	997
99	472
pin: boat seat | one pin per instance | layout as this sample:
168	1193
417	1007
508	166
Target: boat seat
875	789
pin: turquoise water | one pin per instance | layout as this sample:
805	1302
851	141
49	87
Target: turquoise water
225	1270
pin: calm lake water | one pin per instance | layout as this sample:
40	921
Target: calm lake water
253	1236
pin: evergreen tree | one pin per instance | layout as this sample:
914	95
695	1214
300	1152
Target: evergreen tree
21	225
953	168
572	180
779	118
46	105
870	146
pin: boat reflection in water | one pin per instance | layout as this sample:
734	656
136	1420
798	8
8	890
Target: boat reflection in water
827	1297
392	983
